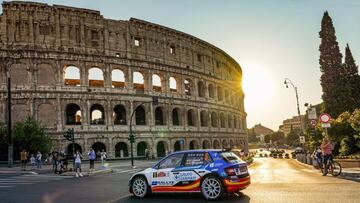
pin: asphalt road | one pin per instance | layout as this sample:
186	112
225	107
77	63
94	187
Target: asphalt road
273	180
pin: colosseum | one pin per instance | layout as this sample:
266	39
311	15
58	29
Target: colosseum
73	68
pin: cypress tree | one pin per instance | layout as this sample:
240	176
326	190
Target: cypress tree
335	94
352	77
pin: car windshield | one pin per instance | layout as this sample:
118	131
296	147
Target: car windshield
230	157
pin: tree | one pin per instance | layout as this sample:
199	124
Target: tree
252	136
276	137
31	136
351	75
293	137
335	94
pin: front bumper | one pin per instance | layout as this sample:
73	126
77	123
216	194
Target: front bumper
235	185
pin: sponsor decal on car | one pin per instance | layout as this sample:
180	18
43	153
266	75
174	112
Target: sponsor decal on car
162	183
186	176
160	174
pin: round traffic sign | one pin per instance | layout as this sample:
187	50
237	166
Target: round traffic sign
313	122
325	118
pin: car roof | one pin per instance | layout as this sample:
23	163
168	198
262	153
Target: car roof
199	150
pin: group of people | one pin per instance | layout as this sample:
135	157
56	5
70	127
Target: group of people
35	160
323	154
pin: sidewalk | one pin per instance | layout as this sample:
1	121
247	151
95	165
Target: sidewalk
346	173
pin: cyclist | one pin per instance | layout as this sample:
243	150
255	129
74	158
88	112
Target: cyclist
317	157
326	148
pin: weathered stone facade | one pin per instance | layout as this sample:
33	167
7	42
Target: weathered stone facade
115	65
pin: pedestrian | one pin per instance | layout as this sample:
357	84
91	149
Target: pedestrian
55	161
91	157
24	158
65	161
103	157
147	153
77	161
32	161
38	160
61	157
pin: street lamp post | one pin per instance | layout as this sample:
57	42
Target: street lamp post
287	81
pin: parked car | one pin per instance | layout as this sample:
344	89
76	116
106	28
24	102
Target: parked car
211	172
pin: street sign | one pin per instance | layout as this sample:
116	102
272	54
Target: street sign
325	125
325	118
312	113
302	139
313	123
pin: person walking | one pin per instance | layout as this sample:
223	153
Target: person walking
55	161
147	154
77	161
32	162
38	160
91	157
103	157
24	158
326	148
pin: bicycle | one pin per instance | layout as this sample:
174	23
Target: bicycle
332	167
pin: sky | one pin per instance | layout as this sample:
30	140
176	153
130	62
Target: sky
270	39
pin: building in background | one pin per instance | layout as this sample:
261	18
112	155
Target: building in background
73	68
291	124
259	132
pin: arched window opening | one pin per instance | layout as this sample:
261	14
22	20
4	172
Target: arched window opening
227	96
117	79
140	116
159	117
156	83
191	117
206	144
175	117
73	114
230	122
188	87
173	85
138	79
220	93
222	120
178	146
193	145
211	91
121	150
119	115
161	149
76	146
72	76
216	144
214	119
98	147
141	146
96	77
201	89
97	115
235	122
204	118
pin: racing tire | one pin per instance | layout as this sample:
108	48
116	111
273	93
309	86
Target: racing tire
140	187
212	188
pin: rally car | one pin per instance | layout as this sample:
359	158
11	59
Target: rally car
211	172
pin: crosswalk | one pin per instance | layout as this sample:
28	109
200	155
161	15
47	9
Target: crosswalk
28	179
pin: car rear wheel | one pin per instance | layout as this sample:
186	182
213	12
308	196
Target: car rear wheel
212	188
139	187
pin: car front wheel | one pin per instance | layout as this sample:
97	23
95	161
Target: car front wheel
212	188
139	187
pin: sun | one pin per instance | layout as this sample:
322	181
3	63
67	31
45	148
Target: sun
257	85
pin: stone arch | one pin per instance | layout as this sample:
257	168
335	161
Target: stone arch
201	89
161	148
19	112
220	93
46	75
121	150
117	78
47	114
157	83
19	75
194	144
222	120
77	147
140	116
71	75
98	147
235	121
138	80
73	114
216	144
173	84
204	118
191	118
206	144
175	115
178	146
224	144
119	115
160	116
214	119
140	148
232	143
230	121
211	90
96	77
97	114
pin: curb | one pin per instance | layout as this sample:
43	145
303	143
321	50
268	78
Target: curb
305	165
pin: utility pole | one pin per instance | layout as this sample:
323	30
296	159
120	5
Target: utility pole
10	142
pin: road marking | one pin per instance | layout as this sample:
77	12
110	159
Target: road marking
6	186
119	198
130	170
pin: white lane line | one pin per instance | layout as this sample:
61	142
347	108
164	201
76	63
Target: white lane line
6	186
125	171
16	183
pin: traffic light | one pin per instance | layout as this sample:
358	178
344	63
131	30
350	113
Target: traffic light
131	138
69	134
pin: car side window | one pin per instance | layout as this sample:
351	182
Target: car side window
196	159
171	162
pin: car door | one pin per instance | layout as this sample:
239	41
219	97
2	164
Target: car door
162	178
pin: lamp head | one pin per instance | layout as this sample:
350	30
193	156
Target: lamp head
306	104
287	86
